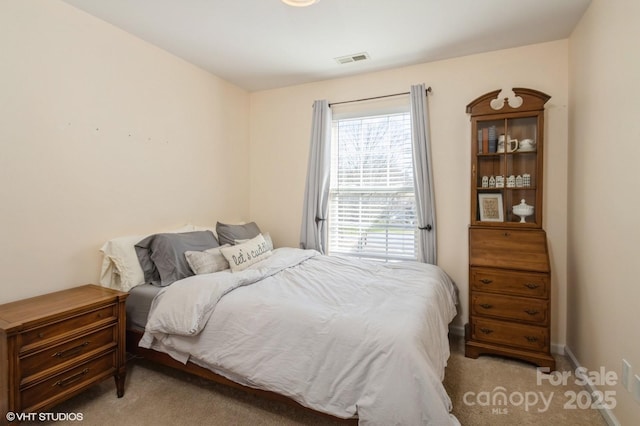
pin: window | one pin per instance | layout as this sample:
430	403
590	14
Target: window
372	196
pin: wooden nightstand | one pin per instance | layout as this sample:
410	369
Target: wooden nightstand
54	346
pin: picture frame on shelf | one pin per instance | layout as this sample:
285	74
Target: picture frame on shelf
490	206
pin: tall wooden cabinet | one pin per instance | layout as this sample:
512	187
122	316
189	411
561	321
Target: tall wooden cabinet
509	273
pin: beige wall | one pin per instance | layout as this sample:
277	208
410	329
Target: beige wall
280	128
102	135
603	231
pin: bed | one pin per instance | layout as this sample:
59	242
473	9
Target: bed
356	340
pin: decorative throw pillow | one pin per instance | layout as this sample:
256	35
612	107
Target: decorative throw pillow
162	255
241	256
228	234
208	261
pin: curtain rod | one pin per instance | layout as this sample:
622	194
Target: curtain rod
428	90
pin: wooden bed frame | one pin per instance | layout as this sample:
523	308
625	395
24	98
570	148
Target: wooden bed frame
134	336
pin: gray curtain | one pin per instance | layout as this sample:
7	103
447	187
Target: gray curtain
313	234
423	175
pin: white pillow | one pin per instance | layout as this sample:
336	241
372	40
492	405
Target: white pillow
121	269
241	256
207	261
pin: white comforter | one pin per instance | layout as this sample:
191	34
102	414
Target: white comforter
345	337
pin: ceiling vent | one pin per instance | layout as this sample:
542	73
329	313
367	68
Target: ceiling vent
357	57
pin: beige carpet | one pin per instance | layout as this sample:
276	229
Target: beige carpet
518	380
158	396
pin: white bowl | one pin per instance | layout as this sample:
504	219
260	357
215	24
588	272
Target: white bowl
527	145
523	210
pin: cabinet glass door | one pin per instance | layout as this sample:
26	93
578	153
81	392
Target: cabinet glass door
506	165
507	159
521	170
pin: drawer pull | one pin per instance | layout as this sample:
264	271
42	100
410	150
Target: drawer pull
531	339
486	281
507	234
531	312
40	335
531	286
71	351
486	306
486	330
71	379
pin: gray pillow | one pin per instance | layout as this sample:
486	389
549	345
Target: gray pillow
162	257
228	234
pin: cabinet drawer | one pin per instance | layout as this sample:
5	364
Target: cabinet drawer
40	394
510	282
510	334
65	352
57	329
535	311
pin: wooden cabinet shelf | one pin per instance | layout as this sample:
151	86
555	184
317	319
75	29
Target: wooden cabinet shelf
509	274
482	189
508	154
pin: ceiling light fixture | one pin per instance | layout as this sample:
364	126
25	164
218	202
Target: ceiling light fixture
300	3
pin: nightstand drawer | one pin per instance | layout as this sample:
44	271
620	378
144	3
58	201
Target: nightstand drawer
535	311
516	335
510	282
68	351
33	397
66	326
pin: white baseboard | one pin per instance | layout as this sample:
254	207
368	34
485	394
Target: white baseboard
558	348
606	413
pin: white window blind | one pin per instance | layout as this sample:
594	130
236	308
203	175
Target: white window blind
372	196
